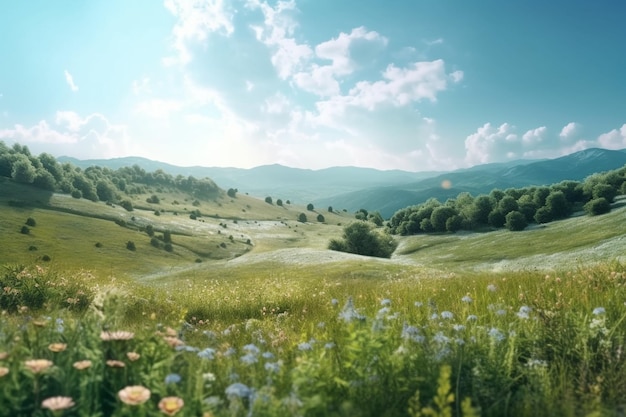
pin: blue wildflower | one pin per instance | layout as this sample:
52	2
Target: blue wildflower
273	367
172	379
447	315
418	304
411	333
349	313
472	317
207	353
238	390
304	346
467	299
386	302
329	345
441	338
458	327
251	348
60	327
334	302
249	359
268	355
496	334
598	311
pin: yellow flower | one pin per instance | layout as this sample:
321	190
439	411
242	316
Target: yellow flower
3	371
133	356
80	365
57	347
57	403
171	405
118	335
115	364
38	365
134	395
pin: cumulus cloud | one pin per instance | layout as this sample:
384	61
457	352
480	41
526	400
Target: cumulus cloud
490	143
534	136
196	19
569	131
69	79
615	139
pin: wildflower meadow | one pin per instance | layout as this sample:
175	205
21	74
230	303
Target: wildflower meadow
517	344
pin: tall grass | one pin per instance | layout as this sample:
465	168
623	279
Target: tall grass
293	343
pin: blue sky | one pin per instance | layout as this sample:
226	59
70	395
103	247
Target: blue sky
413	85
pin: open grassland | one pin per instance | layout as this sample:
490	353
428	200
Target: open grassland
493	324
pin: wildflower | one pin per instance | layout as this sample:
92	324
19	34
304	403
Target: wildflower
411	333
173	341
4	355
252	349
238	390
210	334
268	355
272	367
3	371
249	359
80	365
209	377
57	347
38	365
349	313
115	364
57	403
536	363
329	345
467	299
418	304
59	323
207	353
171	405
321	325
447	315
598	311
186	348
492	288
334	302
434	316
118	335
172	379
386	302
441	338
230	351
458	327
523	312
133	356
304	346
496	334
134	395
459	341
382	312
500	312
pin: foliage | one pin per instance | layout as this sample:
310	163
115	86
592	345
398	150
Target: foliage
597	206
320	218
24	230
516	221
268	200
232	192
279	202
302	218
127	205
130	245
31	222
310	207
362	239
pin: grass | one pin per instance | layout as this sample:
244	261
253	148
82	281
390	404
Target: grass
283	327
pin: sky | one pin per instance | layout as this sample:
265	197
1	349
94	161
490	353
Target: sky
415	85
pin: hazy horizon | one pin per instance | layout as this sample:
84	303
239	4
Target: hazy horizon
415	86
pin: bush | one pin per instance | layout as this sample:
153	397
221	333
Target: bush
154	199
46	258
302	218
98	245
279	202
597	206
232	192
32	248
320	218
268	200
128	206
310	207
515	221
168	247
360	238
155	242
130	245
150	230
31	222
77	194
24	230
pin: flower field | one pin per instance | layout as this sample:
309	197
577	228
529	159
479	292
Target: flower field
518	344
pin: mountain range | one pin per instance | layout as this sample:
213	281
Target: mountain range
353	188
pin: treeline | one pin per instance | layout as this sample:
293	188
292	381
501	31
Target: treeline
513	208
93	183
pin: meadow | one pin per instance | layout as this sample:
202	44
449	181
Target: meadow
488	324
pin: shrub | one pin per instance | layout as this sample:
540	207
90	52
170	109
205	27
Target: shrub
154	199
128	206
320	218
168	247
150	230
268	200
302	218
232	192
157	213
32	248
360	238
310	207
597	206
155	242
31	222
98	245
130	245
77	194
46	258
24	230
515	221
279	202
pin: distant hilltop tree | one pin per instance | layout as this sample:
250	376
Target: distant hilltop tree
279	202
268	200
310	207
232	192
302	218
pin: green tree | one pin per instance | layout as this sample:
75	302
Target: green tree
508	204
22	170
482	206
496	218
597	206
268	200
310	207
330	209
320	218
543	215
279	202
232	192
557	204
361	238
515	221
440	216
302	218
606	191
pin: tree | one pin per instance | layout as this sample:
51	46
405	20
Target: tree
302	218
515	221
22	170
508	204
482	206
454	223
440	216
497	218
167	236
361	238
320	218
310	207
279	202
127	204
597	206
130	245
361	214
31	222
543	215
268	200
376	218
557	204
232	192
105	191
605	191
330	209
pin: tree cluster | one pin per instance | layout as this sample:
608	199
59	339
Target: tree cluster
93	183
362	238
513	208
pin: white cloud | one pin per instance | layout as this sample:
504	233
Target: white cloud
141	86
276	104
569	131
437	41
489	144
534	136
70	81
615	139
196	20
456	76
249	86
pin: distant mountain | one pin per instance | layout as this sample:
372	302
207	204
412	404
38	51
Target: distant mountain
295	184
353	188
480	179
